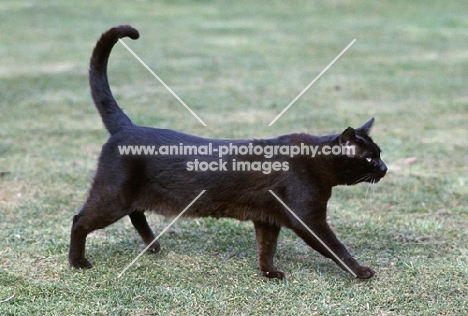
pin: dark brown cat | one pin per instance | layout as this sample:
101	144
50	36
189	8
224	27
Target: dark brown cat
238	186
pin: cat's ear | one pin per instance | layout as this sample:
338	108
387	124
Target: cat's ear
348	137
366	127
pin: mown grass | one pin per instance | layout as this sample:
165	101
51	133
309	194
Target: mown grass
238	65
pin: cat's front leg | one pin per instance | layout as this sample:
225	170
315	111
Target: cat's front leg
324	241
267	237
141	225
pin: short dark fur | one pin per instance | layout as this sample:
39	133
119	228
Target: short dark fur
131	184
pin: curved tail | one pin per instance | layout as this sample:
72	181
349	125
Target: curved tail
113	117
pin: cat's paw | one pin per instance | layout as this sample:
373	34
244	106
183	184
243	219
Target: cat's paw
155	248
80	263
364	272
277	274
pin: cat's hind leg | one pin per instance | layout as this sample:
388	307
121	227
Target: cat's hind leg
99	211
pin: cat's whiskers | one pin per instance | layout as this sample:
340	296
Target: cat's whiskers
369	187
362	178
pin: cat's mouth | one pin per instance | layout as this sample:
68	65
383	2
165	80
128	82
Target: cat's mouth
371	177
375	177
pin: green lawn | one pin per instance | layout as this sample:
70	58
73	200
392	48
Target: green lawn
237	65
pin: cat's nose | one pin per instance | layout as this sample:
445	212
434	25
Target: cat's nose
383	168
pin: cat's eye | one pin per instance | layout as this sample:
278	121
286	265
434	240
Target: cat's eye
369	159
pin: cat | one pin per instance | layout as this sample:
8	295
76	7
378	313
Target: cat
130	184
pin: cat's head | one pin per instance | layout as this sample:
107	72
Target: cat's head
362	162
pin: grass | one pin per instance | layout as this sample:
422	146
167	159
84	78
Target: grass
238	65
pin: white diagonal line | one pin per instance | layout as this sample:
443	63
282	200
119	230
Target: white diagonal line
162	82
310	231
313	81
160	234
7	299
